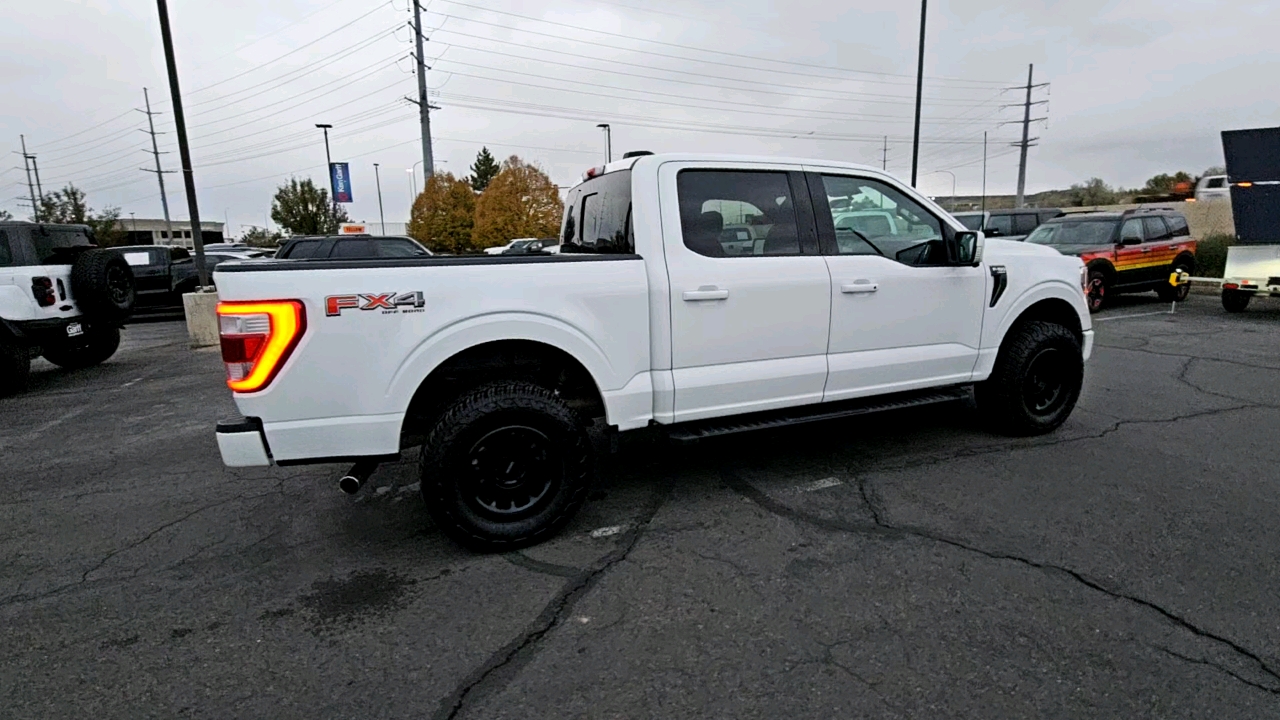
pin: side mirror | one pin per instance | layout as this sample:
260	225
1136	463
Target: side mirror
965	248
1130	240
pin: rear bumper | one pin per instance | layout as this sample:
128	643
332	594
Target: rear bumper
47	330
242	443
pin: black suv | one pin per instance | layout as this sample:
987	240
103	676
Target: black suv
1133	251
1007	224
349	247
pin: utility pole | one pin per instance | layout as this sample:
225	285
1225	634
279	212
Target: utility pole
35	168
184	151
915	143
35	207
884	160
382	218
424	105
155	151
1027	141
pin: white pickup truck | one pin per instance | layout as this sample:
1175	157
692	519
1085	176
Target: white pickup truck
698	294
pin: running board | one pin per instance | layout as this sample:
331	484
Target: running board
699	430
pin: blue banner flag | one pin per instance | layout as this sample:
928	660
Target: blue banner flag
340	182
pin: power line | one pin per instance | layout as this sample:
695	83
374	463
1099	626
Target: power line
716	52
88	129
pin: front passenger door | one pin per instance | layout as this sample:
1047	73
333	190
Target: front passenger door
1131	268
900	318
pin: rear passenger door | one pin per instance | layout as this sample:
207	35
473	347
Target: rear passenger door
750	293
1158	248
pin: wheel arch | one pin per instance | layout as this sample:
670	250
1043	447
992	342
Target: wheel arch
1055	301
1103	265
537	361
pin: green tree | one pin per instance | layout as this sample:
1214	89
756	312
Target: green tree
260	237
1163	184
70	206
443	215
484	170
522	201
1093	192
1215	170
304	209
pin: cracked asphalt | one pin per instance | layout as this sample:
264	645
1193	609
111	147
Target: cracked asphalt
906	565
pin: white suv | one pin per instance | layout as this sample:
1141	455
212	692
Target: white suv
60	297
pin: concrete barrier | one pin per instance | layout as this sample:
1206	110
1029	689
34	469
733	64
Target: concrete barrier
202	317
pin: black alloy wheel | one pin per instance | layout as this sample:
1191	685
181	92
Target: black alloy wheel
511	470
119	285
1045	388
1096	295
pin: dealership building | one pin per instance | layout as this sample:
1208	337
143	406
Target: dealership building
143	231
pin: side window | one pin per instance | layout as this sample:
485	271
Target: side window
303	249
6	253
725	213
569	226
352	249
1216	182
1155	229
1002	224
1024	223
1131	229
873	218
399	248
1178	226
179	254
590	215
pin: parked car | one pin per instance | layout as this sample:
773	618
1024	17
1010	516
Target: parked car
500	249
60	297
524	247
1124	252
337	247
1007	224
1213	187
162	273
509	371
239	248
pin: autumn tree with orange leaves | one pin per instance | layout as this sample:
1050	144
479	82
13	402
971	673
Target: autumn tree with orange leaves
521	201
443	215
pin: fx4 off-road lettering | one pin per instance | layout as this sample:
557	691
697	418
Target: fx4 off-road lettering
386	302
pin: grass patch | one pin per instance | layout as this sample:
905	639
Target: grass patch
1211	254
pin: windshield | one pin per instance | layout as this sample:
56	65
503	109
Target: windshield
973	222
521	244
1077	232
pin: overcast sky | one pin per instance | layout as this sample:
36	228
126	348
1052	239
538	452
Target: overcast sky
1135	88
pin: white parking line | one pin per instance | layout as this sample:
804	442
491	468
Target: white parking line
1126	317
822	484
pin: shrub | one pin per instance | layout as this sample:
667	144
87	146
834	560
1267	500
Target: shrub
1211	254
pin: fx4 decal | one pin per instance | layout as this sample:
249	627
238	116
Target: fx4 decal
388	303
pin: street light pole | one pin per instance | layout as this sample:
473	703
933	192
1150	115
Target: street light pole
608	142
984	171
413	183
915	143
329	172
184	151
382	218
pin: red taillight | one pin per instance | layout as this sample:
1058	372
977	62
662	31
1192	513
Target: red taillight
42	288
257	338
1230	286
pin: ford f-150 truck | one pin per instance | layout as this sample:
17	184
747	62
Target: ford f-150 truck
697	294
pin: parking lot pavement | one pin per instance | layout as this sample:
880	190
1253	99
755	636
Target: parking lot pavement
902	566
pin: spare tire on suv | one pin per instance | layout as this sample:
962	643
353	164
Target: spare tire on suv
102	284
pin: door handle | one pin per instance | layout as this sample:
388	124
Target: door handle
859	287
706	292
1146	250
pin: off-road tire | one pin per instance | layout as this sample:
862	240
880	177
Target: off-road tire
102	284
1234	301
15	367
1179	293
1008	400
1098	292
100	343
495	422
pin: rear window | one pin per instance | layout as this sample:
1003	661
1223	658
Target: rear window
302	249
51	241
597	216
